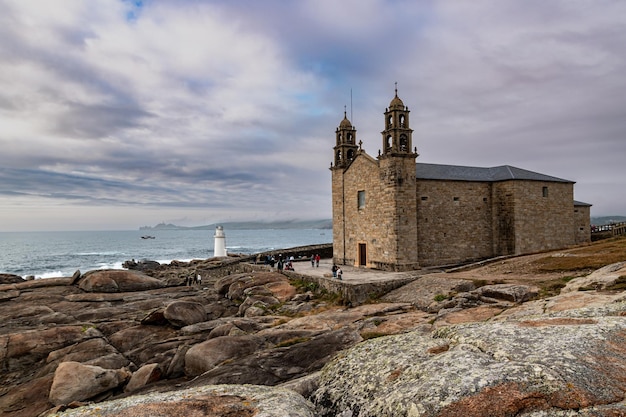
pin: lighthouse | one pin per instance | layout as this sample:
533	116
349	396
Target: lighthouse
219	249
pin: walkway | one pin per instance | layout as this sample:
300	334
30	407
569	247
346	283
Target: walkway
353	275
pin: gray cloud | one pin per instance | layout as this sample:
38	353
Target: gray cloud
226	110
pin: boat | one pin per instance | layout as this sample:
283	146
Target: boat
147	237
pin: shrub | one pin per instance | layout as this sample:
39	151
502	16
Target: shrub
440	297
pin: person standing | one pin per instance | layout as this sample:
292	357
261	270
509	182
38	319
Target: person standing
339	273
317	260
334	269
312	261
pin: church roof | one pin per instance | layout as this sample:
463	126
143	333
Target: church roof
396	103
495	174
345	123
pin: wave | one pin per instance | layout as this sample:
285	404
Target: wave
100	254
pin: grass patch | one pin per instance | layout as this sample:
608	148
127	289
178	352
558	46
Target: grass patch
440	297
585	258
330	297
372	335
304	286
293	341
552	287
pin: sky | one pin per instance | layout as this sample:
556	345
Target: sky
119	114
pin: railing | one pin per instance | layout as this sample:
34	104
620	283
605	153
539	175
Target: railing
616	229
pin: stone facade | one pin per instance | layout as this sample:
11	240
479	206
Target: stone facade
393	214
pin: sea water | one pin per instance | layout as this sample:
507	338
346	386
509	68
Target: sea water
56	254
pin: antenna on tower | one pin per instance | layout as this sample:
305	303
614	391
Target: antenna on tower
351	118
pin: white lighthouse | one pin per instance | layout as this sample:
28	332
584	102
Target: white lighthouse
219	249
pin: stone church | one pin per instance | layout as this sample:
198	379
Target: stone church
391	213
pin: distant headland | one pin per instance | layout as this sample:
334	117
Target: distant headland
251	225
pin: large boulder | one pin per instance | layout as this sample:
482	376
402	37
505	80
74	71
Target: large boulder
207	355
20	351
74	381
218	401
288	355
603	278
10	279
143	376
112	280
184	313
96	351
551	365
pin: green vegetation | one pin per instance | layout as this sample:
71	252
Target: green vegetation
304	286
440	297
372	335
551	287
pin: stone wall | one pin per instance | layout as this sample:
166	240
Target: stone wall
406	223
363	225
544	216
382	233
454	219
353	294
582	223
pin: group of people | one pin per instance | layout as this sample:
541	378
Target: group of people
193	279
337	272
287	264
315	260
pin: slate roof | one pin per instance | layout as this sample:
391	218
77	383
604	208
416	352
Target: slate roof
495	174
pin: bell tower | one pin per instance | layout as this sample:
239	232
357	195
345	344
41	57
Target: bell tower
397	136
398	188
346	147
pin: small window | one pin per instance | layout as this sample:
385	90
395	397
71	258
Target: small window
545	191
485	199
424	198
456	198
361	199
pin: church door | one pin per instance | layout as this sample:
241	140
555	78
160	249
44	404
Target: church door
362	254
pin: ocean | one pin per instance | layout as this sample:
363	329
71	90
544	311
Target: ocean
56	254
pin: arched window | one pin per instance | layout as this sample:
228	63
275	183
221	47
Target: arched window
338	156
388	144
404	143
390	121
350	154
402	120
349	137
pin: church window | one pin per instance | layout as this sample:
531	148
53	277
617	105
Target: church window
388	143
402	120
361	199
349	137
545	191
350	154
424	198
338	156
456	198
404	144
390	121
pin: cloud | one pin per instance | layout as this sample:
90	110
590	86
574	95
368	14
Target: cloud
209	110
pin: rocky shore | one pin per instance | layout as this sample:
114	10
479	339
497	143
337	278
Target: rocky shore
250	341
